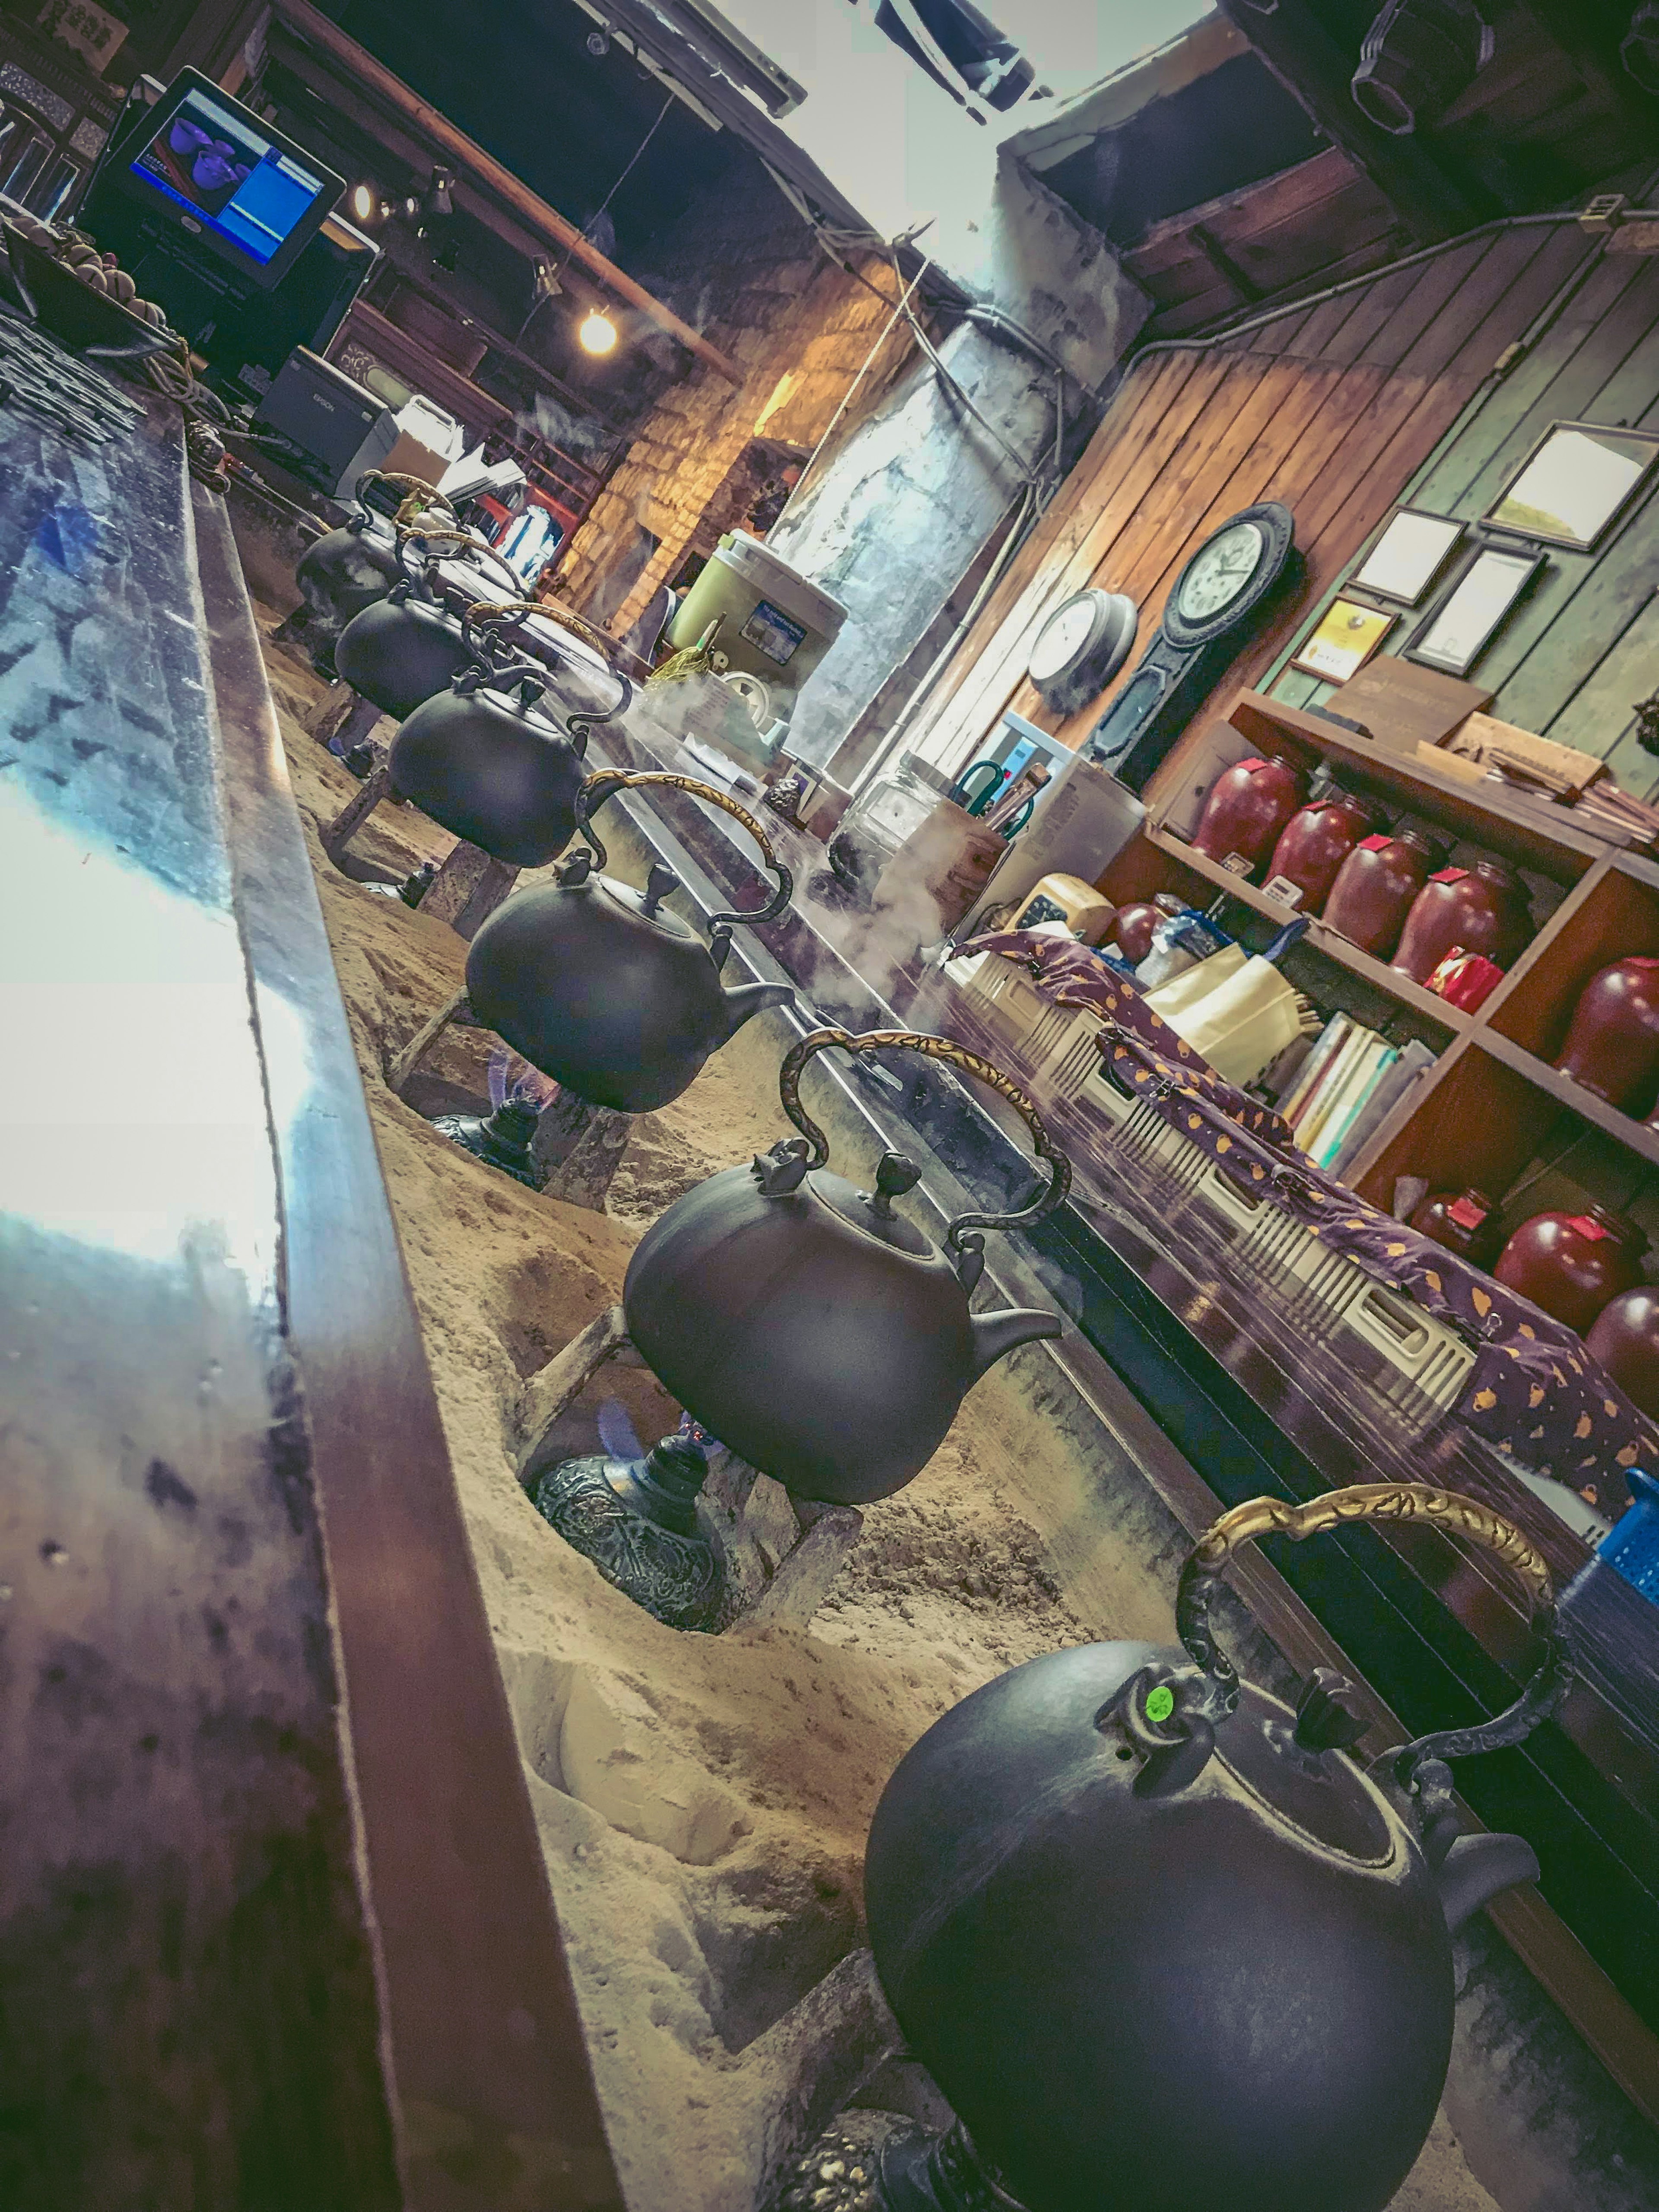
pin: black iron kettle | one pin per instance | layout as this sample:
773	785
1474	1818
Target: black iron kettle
409	644
819	1334
350	569
597	985
491	767
1162	1943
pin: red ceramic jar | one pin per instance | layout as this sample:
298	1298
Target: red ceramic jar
1573	1264
1625	1342
1465	1221
1314	842
1248	806
1130	935
1480	910
1375	888
1613	1041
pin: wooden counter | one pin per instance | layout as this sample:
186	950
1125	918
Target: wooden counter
252	1955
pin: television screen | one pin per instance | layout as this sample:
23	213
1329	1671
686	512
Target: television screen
209	158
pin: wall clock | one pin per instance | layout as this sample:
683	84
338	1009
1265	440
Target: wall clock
1080	648
1217	596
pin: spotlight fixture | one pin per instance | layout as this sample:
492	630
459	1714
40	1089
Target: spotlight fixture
597	333
598	43
437	201
362	202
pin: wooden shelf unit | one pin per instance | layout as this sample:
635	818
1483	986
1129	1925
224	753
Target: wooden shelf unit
1481	1111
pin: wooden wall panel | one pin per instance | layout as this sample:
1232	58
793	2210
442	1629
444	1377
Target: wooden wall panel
1332	407
1585	645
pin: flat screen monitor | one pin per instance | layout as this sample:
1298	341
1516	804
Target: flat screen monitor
226	179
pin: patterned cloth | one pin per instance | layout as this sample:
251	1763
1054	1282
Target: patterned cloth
1533	1388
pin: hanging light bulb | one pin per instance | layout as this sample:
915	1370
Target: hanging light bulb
362	202
597	333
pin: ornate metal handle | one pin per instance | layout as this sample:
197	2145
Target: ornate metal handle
464	541
1382	1501
958	1237
511	610
417	491
605	782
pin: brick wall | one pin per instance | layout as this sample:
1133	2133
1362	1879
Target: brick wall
750	275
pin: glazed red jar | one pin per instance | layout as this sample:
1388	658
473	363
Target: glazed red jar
1480	910
1613	1041
1625	1341
1573	1264
1465	1221
1132	925
1376	886
1314	842
1248	806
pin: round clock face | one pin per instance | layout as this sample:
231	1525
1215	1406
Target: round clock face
1220	572
1063	636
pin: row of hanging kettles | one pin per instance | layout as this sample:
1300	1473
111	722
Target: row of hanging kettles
1165	1945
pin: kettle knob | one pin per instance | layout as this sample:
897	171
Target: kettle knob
575	869
894	1176
1323	1722
657	884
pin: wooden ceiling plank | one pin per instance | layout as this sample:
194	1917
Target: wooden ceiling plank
330	83
319	31
1433	200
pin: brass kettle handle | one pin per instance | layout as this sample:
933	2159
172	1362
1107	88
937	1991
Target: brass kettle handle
957	1236
417	491
488	611
1382	1501
605	782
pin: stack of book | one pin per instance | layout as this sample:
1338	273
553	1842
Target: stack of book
1340	1094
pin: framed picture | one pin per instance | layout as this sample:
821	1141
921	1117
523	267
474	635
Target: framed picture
1460	630
1344	641
1576	479
1410	555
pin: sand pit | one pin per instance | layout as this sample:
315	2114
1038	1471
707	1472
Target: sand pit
703	1800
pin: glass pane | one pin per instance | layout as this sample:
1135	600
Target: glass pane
57	182
24	169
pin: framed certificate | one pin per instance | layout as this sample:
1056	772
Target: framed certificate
1460	630
1345	640
1576	479
1410	555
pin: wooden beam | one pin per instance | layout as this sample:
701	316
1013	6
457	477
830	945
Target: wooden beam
329	80
546	221
1433	201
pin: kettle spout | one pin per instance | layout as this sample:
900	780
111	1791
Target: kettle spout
744	1000
997	1333
1477	1869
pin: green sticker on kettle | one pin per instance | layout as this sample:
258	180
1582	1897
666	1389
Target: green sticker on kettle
1160	1704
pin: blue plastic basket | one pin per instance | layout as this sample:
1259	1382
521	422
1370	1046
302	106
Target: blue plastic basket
1631	1546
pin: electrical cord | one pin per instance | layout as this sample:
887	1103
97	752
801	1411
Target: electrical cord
554	274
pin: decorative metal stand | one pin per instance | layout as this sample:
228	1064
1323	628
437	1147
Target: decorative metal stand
650	1526
911	2172
637	1520
575	1149
502	1141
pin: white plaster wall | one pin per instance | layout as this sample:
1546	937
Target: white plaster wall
899	147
